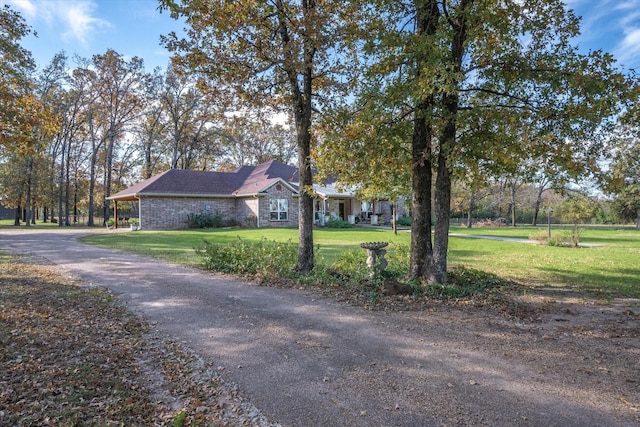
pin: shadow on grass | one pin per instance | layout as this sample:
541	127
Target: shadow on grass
619	283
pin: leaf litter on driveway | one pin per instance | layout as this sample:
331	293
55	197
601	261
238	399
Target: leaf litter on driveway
76	356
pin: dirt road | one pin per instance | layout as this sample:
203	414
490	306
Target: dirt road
305	360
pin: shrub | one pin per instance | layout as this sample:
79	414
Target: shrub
399	257
338	223
262	258
404	221
463	282
204	220
350	267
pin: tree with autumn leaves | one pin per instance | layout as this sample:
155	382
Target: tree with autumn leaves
23	118
285	54
446	86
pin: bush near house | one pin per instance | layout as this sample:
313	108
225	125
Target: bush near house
405	221
338	223
205	220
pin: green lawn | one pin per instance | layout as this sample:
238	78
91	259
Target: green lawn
613	269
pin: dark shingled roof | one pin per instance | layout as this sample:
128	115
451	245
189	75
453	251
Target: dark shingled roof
243	181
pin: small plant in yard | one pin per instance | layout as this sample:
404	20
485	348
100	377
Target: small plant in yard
178	420
134	221
575	210
338	223
463	282
205	220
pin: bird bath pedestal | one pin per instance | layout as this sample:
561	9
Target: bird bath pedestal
375	256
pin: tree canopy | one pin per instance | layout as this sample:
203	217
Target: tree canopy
21	113
447	86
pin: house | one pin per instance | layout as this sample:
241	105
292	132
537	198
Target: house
252	196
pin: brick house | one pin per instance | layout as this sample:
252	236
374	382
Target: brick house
251	196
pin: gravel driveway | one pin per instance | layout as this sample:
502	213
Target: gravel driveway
305	360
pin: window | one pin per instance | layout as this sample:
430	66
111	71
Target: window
279	209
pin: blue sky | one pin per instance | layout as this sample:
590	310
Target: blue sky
133	28
90	27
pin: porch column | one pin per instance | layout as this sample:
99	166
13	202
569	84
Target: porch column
115	213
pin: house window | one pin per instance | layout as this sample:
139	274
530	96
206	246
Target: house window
279	209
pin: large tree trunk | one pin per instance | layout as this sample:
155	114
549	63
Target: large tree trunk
513	204
28	200
421	263
92	189
536	208
301	103
638	219
442	208
421	249
67	186
451	104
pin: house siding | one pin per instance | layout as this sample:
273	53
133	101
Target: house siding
283	193
247	211
167	213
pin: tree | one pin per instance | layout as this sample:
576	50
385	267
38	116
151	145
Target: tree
188	113
113	91
576	209
151	127
624	181
251	139
462	82
120	86
283	53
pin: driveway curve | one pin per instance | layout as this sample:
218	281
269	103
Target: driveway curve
306	360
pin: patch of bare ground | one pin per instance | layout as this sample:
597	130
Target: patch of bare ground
582	342
73	356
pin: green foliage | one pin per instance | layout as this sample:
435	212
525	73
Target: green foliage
351	267
626	206
464	282
575	210
405	221
178	420
398	256
205	220
338	223
257	258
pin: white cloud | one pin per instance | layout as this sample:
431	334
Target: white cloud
629	47
79	22
75	17
25	6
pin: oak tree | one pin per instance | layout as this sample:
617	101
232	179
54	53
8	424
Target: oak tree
454	83
283	53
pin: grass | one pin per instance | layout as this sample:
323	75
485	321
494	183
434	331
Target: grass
610	270
179	246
